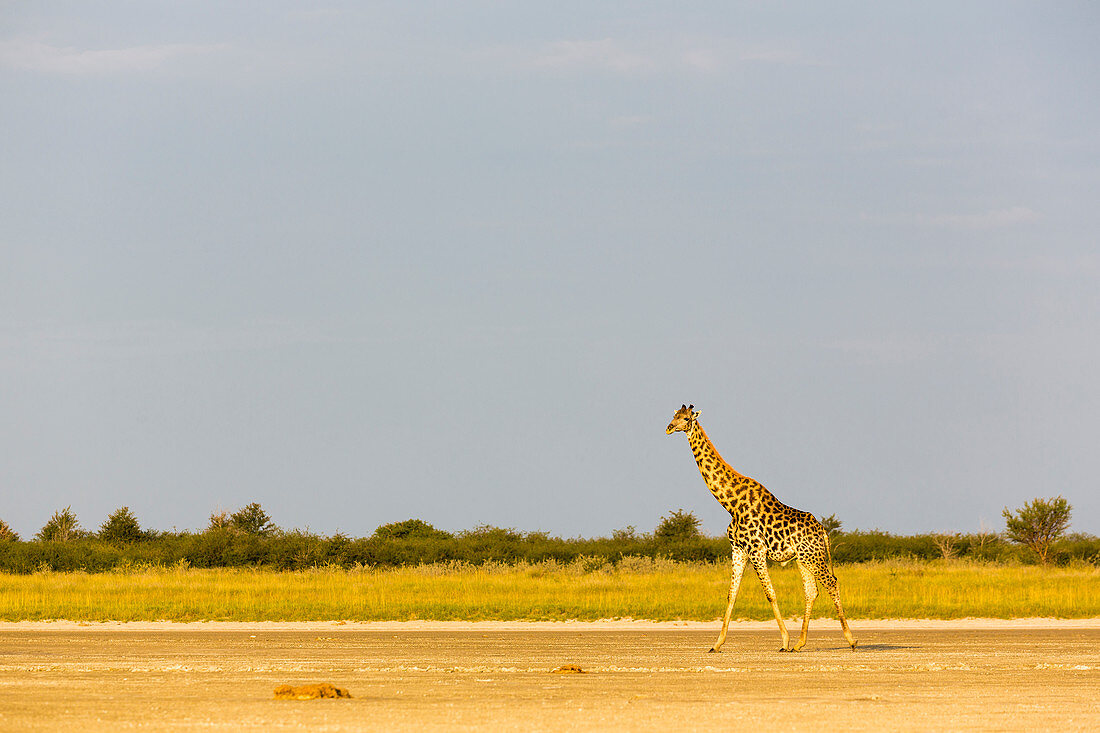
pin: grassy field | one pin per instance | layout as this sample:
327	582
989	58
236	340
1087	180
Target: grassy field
585	590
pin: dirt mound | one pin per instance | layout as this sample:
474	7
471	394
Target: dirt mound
569	669
309	692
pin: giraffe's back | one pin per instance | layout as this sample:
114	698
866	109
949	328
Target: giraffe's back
782	532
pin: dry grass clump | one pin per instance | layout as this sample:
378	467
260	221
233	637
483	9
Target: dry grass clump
580	565
644	565
569	669
310	692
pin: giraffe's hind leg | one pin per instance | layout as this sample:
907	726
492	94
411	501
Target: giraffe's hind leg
809	585
829	581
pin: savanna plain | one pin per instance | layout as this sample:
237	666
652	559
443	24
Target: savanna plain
186	649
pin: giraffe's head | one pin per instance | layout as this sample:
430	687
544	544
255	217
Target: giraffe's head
684	419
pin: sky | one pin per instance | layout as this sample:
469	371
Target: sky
365	262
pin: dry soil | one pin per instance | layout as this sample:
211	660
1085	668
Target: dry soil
221	677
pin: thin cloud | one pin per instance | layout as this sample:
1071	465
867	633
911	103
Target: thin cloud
627	121
780	54
68	60
607	53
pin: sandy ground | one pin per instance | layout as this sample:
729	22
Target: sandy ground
1032	674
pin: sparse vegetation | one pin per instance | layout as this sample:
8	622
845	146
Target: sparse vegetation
947	543
218	520
7	534
626	534
61	527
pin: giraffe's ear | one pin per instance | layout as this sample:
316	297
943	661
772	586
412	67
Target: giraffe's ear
695	415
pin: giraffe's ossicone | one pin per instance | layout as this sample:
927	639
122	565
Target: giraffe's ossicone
762	528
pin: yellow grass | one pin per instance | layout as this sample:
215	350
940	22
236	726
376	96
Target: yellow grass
585	590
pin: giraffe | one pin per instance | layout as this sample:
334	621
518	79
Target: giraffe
762	529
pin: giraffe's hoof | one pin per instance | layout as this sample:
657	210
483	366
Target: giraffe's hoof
854	642
712	650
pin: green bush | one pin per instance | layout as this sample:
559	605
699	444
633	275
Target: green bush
862	546
252	519
1076	547
121	527
410	528
678	526
257	543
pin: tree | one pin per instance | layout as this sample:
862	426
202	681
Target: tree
62	527
121	527
251	519
831	525
984	537
677	527
1038	524
7	533
947	543
218	520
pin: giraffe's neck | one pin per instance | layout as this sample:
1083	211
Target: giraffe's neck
718	475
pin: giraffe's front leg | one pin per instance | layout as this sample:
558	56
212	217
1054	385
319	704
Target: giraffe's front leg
760	565
740	559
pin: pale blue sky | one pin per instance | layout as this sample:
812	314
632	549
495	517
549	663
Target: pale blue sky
362	262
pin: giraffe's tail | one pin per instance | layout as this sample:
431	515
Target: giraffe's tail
824	534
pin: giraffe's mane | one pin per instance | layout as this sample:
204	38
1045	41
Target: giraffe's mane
724	464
